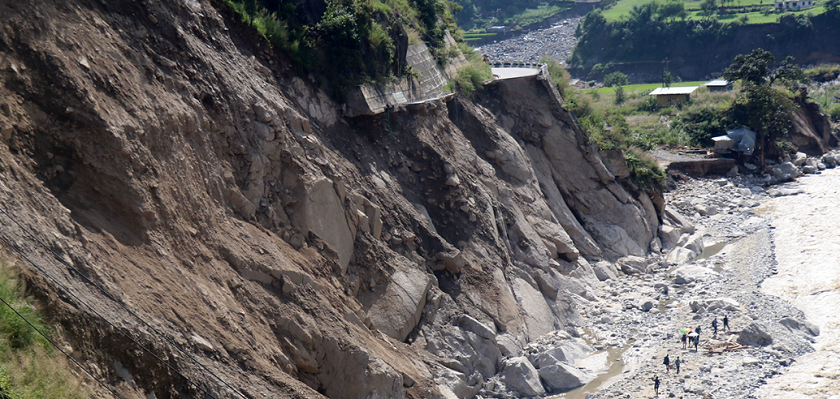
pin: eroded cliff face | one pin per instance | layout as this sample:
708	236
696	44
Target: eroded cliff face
165	152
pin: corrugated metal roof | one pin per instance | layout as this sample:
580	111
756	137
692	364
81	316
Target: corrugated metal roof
717	82
673	90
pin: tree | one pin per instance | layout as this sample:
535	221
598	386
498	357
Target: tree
708	7
619	95
673	10
832	8
760	107
788	73
615	79
667	78
753	68
766	111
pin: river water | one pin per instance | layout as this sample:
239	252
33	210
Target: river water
807	248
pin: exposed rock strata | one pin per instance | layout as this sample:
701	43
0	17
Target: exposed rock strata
188	170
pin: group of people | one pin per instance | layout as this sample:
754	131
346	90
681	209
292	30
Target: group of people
688	337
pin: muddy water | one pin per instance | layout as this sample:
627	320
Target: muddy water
807	246
615	369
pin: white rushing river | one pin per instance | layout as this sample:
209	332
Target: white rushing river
807	239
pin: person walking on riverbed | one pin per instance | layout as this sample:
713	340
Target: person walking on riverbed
725	323
684	340
714	326
696	342
656	384
677	364
667	363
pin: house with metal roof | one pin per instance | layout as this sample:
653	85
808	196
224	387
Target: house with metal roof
719	85
667	96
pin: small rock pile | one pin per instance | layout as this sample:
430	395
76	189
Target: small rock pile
800	163
546	366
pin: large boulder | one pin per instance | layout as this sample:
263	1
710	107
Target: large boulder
538	316
554	235
520	375
691	273
562	377
674	218
321	212
632	264
800	158
755	335
695	243
786	171
669	235
566	351
801	325
679	256
398	310
604	270
728	304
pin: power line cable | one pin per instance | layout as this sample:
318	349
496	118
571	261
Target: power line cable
129	311
116	328
76	362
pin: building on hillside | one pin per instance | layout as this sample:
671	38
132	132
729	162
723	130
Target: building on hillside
789	5
667	96
719	85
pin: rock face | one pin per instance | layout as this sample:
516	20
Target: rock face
811	130
311	253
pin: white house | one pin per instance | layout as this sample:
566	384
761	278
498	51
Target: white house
786	5
667	96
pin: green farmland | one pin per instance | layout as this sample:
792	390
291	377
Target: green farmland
755	11
643	87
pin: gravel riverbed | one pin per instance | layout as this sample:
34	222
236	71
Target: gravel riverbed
557	41
740	242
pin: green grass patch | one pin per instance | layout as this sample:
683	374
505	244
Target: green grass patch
472	36
644	170
29	366
470	78
534	15
643	87
756	11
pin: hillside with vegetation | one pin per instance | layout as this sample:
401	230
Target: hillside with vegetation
642	38
742	11
765	96
482	14
30	366
349	42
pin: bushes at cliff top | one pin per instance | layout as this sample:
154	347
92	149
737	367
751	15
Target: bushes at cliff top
644	170
470	77
558	74
347	42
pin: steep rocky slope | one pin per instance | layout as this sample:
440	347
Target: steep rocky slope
254	240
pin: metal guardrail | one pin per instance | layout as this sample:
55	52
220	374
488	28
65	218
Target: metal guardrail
515	64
